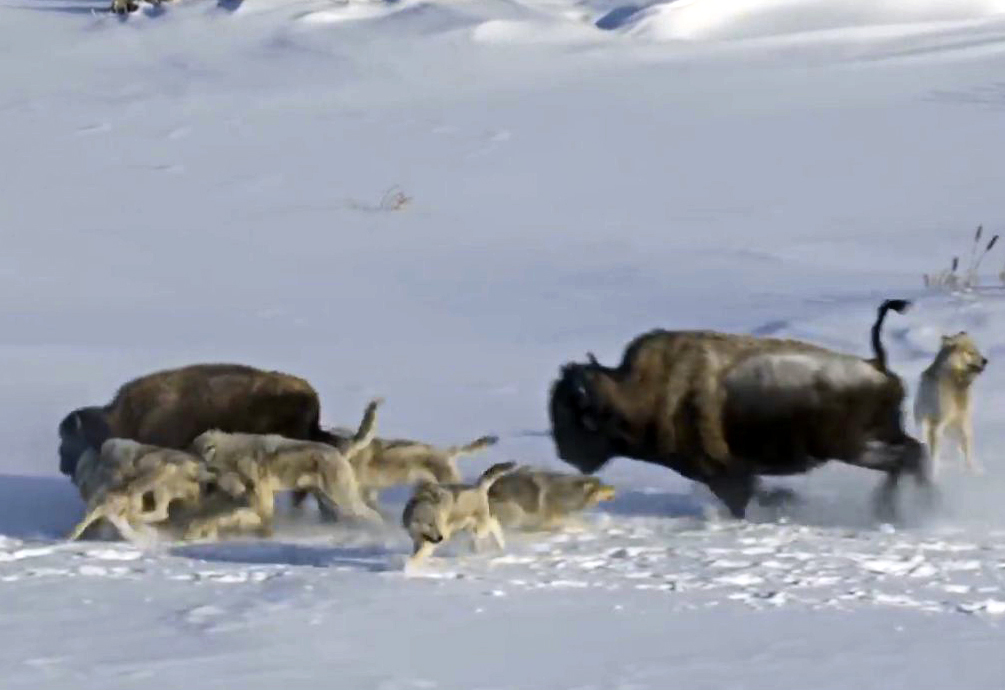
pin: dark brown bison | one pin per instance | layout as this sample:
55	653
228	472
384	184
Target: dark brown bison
722	409
170	408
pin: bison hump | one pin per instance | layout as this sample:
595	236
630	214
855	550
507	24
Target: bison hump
778	382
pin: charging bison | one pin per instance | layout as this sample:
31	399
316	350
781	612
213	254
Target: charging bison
722	409
170	408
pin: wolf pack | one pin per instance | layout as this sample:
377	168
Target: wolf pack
204	451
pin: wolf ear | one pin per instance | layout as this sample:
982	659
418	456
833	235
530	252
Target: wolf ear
592	359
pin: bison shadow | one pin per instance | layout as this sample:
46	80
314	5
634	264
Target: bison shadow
370	558
842	501
38	507
632	503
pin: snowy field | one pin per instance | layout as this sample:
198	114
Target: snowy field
204	183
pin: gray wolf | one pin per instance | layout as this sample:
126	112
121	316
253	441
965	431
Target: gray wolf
262	464
141	486
944	399
435	512
531	498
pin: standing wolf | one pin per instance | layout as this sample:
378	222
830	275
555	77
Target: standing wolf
943	402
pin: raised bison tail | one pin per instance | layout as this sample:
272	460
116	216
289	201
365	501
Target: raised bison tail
899	306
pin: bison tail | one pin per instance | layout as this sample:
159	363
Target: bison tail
899	306
322	436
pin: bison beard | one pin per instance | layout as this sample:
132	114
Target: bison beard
722	409
170	408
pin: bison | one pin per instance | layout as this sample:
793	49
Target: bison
722	409
170	408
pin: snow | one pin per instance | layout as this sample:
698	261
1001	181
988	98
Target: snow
200	183
738	19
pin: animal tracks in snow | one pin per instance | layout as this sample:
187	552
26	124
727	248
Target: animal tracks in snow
768	565
758	565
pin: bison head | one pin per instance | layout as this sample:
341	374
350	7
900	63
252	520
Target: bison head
84	429
580	420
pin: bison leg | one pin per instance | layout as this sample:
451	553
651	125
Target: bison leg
677	387
710	400
328	514
884	502
895	459
734	488
908	456
299	496
328	510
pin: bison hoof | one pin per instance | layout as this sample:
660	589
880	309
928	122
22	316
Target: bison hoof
931	499
328	514
885	509
735	492
298	499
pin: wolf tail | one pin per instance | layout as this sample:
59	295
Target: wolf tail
367	429
493	473
477	444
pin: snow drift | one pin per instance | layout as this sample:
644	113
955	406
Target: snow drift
696	20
